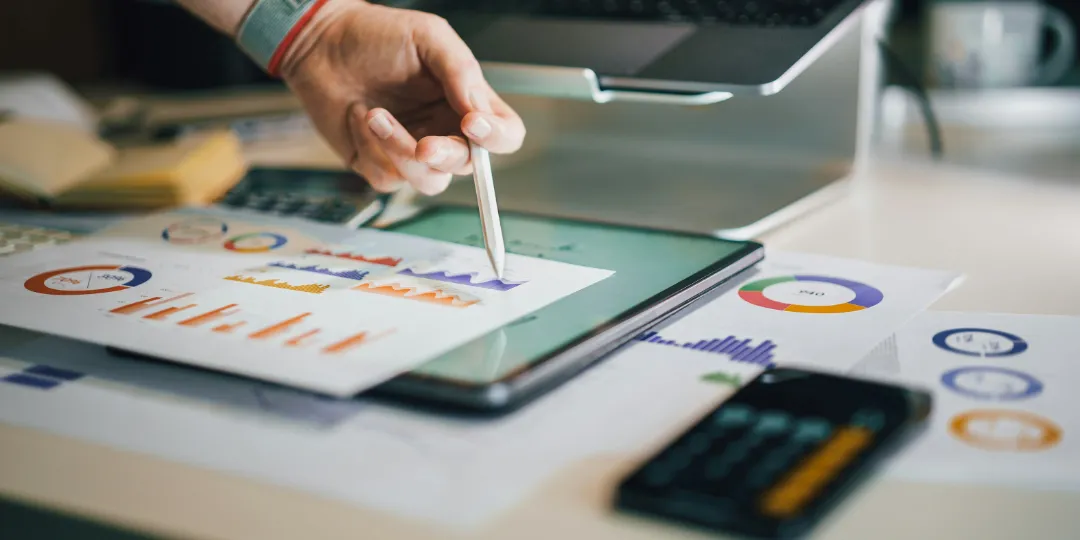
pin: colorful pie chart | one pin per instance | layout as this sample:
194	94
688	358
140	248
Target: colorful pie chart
82	280
255	242
811	294
194	231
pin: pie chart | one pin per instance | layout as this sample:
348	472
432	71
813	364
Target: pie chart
83	280
811	294
194	231
255	242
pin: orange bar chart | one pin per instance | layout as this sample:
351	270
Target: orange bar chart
352	341
209	316
279	328
163	314
147	303
299	340
228	328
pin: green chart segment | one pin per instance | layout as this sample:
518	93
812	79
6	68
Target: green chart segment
865	295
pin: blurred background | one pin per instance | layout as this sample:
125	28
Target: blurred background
1001	78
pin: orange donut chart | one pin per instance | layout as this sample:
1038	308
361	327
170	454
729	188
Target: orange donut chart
40	283
1007	430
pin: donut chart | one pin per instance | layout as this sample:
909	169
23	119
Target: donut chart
255	242
1005	430
982	342
811	294
194	231
83	280
992	383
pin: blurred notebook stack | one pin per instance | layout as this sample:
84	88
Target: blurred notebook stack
55	165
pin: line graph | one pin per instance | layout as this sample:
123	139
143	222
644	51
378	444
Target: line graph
347	274
738	350
434	296
385	261
312	288
501	285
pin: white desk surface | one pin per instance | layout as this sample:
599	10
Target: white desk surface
1018	241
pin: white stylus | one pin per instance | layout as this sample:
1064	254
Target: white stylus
489	209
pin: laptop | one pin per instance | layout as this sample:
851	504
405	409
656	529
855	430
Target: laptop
753	47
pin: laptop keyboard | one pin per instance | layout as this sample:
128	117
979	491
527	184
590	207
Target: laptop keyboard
737	12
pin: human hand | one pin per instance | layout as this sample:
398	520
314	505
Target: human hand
395	92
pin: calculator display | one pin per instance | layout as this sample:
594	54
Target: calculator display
775	456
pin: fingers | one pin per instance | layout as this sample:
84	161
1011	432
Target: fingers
498	134
400	151
488	120
452	63
447	154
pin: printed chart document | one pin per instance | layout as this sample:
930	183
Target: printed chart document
455	472
307	305
826	311
1006	410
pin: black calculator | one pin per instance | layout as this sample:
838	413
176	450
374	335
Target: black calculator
775	457
323	195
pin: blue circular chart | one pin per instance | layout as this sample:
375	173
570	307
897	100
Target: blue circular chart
980	342
992	383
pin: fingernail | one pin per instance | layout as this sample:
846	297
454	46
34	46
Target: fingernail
479	100
439	156
479	128
380	126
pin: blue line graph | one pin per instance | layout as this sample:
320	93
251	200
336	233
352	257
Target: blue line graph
347	274
465	279
741	351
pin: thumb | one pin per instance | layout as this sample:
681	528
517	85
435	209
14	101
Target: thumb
449	59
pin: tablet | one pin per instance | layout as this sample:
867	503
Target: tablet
656	273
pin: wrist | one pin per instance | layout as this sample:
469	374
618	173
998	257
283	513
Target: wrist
271	29
312	33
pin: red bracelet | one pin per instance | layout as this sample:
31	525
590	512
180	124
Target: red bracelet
274	67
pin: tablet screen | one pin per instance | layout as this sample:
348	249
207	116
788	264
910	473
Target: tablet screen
645	262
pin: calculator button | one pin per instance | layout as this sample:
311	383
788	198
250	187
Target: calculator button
871	419
730	416
772	423
772	464
812	430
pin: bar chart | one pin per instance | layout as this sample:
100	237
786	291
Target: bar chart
384	261
348	273
739	350
311	288
432	295
295	331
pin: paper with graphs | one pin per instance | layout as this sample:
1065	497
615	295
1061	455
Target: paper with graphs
309	305
450	470
1005	405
